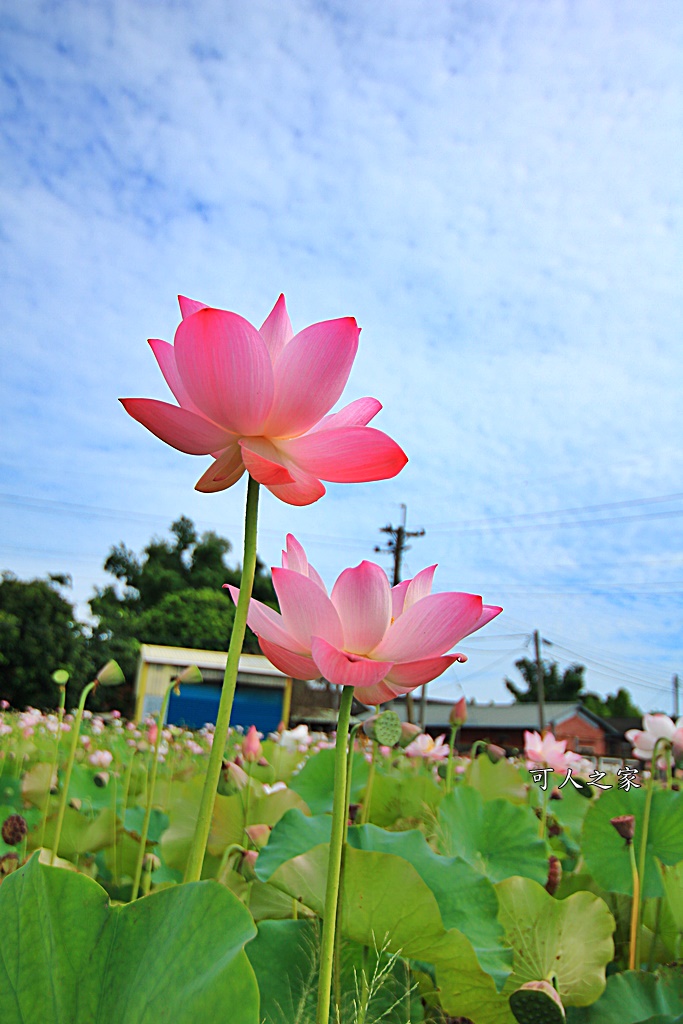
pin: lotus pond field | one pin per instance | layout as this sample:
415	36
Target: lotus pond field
468	891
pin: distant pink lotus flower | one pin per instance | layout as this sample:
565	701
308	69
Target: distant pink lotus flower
152	733
101	758
430	749
655	727
257	400
548	751
380	640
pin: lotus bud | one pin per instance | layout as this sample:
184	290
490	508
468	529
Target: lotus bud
258	834
248	864
251	746
625	824
458	715
537	1002
554	874
151	862
110	674
232	779
14	829
8	864
495	753
385	728
408	733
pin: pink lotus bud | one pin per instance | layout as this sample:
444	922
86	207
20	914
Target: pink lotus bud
251	747
495	753
152	733
458	715
409	732
248	864
258	834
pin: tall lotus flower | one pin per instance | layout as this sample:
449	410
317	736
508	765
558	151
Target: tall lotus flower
546	750
258	399
382	641
655	728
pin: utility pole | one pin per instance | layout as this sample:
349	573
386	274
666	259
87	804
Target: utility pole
540	682
396	546
675	686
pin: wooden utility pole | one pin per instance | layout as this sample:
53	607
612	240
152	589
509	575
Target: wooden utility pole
540	682
676	688
396	546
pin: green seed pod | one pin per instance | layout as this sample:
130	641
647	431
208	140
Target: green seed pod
537	1002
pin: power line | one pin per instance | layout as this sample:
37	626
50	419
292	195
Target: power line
508	527
559	512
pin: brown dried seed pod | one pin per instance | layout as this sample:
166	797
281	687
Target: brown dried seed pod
14	829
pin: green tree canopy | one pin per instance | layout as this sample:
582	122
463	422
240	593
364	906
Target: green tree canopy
617	705
172	594
38	633
564	687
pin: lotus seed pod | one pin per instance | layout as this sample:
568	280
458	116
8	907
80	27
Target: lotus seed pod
14	829
189	676
495	753
537	1002
101	779
75	804
110	674
385	728
625	824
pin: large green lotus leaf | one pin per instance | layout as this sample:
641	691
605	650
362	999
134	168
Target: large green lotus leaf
82	834
635	997
315	781
568	942
284	761
605	852
571	810
672	916
284	956
501	781
84	788
67	956
10	793
466	900
387	905
135	819
231	814
495	837
406	798
36	783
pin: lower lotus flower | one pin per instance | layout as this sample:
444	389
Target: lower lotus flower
546	750
430	749
655	728
382	641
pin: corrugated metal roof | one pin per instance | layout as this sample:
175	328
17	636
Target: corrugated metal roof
254	664
502	716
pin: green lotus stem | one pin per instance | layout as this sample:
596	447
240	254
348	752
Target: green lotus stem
474	749
150	792
75	731
449	767
53	763
635	913
367	799
193	870
245	807
544	811
642	850
339	817
337	927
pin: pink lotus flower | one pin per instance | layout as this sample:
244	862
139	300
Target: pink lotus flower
548	751
380	640
430	749
655	727
152	733
101	758
257	400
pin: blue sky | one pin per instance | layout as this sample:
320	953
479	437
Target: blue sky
491	188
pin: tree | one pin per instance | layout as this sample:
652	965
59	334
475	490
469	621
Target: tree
38	633
566	687
172	594
617	705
